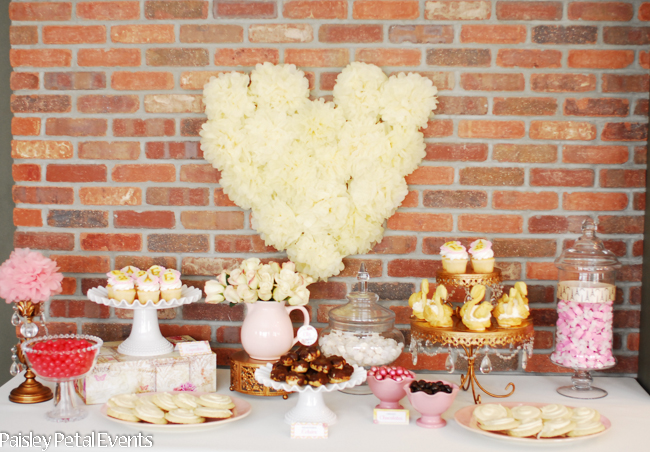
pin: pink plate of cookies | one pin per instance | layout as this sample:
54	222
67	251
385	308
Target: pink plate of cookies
175	411
532	422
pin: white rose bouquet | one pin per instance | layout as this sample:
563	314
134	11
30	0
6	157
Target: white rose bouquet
254	281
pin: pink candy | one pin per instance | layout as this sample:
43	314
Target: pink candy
584	335
385	372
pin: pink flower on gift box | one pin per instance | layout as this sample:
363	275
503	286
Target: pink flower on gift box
187	386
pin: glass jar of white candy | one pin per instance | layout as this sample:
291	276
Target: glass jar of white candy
362	331
585	293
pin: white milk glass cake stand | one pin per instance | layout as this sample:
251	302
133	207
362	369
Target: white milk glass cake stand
311	407
145	338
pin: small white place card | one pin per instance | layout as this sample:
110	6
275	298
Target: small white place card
395	417
193	348
307	335
308	430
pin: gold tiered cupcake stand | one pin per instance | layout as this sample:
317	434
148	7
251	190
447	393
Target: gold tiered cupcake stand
423	335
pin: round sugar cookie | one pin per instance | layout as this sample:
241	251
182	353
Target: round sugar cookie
187	401
212	413
528	427
588	427
583	414
556	427
123	400
555	411
491	411
150	413
183	416
220	401
497	425
526	412
164	401
124	414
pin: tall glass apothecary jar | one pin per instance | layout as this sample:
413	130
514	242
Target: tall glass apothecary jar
586	292
362	331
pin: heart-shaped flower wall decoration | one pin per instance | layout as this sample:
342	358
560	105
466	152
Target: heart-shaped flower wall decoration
320	178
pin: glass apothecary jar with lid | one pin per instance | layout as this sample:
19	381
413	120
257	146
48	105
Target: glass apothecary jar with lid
362	331
585	294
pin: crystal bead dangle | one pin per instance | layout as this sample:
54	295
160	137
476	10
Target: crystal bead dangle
15	319
449	363
29	329
486	364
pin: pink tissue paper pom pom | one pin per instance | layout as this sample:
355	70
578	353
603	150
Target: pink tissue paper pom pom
28	275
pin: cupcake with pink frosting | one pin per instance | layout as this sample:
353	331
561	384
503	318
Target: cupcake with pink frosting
123	289
170	285
156	270
148	288
482	256
454	257
111	277
130	271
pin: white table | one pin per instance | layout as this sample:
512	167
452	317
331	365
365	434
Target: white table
627	406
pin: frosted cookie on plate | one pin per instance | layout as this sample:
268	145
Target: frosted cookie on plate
556	427
150	413
220	401
588	427
497	425
555	411
583	414
123	414
183	416
164	401
187	401
525	412
528	427
123	400
212	413
491	411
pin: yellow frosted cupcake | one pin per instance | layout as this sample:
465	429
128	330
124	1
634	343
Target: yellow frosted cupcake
111	277
482	256
123	289
148	289
170	285
454	257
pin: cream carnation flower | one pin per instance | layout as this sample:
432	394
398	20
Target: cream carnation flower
282	87
227	96
357	90
407	100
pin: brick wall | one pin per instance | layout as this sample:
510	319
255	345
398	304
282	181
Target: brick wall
542	122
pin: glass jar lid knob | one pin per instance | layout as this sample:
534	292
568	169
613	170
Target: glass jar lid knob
363	277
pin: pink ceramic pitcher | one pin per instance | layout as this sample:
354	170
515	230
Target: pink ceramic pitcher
267	332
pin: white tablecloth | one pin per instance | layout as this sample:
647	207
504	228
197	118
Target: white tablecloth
627	406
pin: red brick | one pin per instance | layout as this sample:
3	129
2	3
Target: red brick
188	9
23	80
525	153
110	242
606	11
624	131
541	270
40	11
241	244
600	59
385	9
26	35
548	224
431	175
512	224
561	177
628	36
76	127
561	35
644	11
594	201
77	218
177	196
40	57
596	107
640	155
41	149
524	106
128	10
527	58
229	334
108	104
414	221
191	127
208	266
615	83
44	240
563	83
459	57
245	9
68	286
177	57
200	173
212	33
469	128
144	173
104	150
79	309
152	127
641	107
42	195
246	56
40	104
74	80
108	57
212	220
25	126
516	200
619	224
491	176
622	178
173	150
439	128
421	34
76	173
631	273
455	199
457	10
74	34
492	82
159	219
595	154
493	34
525	247
317	57
82	264
111	196
28	217
644	59
416	268
395	244
222	199
348	33
529	10
633	342
142	80
26	172
462	105
143	34
178	243
639	201
462	152
562	130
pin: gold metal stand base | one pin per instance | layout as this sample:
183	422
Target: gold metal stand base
242	376
30	391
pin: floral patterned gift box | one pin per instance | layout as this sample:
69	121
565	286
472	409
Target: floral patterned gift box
115	373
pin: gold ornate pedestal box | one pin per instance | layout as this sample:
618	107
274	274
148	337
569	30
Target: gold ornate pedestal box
242	376
115	373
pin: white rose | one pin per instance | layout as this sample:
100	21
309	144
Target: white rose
237	278
231	295
246	294
250	265
289	266
223	278
280	295
300	297
213	292
265	291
